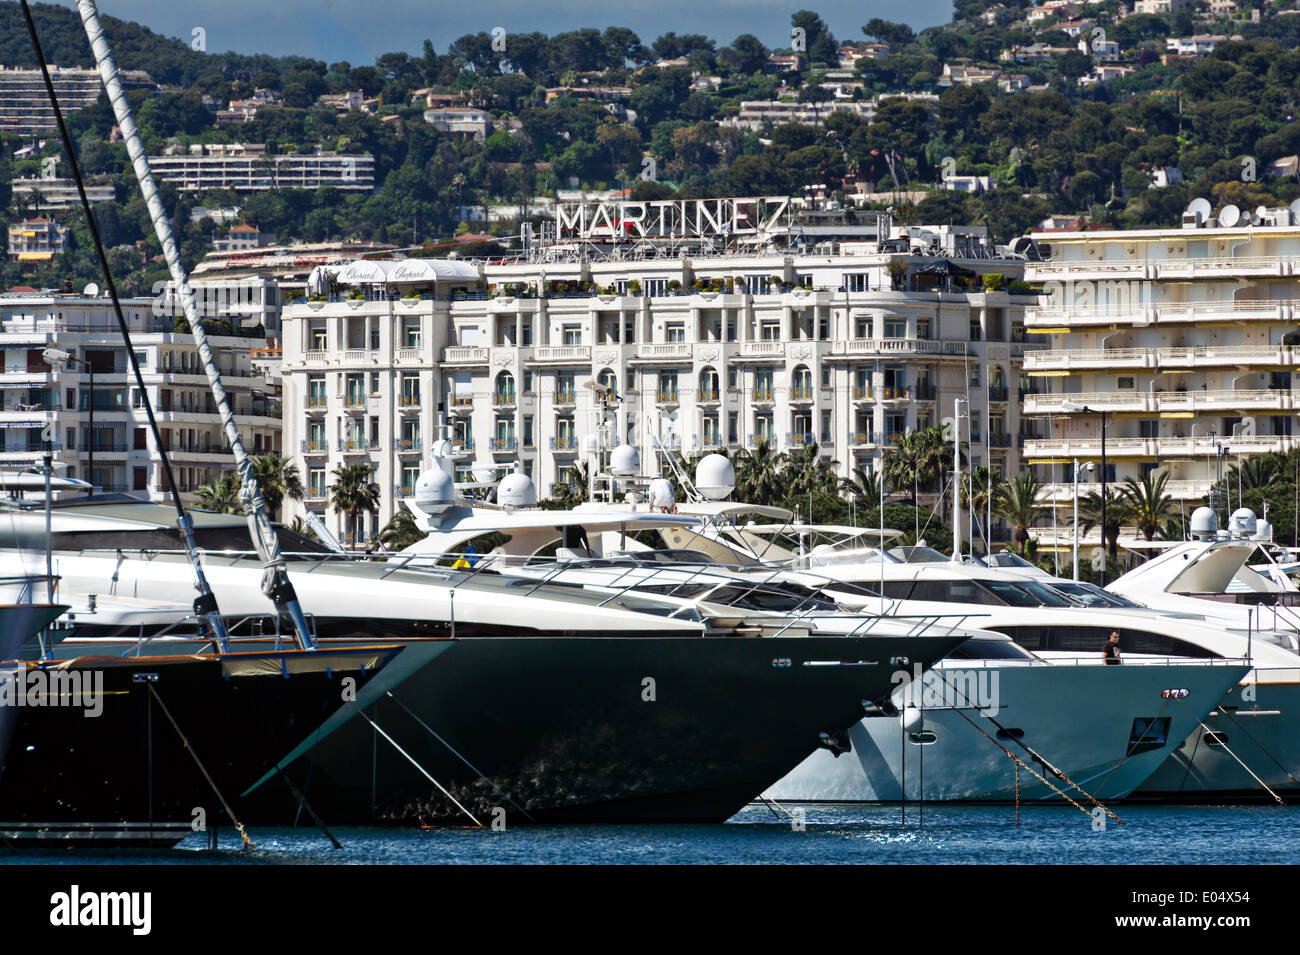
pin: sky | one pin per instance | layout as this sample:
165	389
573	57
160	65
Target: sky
334	30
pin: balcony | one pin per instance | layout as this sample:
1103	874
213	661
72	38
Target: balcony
666	351
406	445
406	400
357	445
764	349
460	447
561	354
1050	317
316	402
564	398
998	393
501	445
354	402
409	355
1135	267
925	392
315	447
1166	402
503	399
863	393
668	397
999	441
863	439
316	495
894	347
801	394
1061	493
756	439
1139	359
893	393
464	355
707	396
798	439
564	444
461	402
1164	448
762	394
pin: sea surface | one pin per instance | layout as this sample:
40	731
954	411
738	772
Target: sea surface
875	835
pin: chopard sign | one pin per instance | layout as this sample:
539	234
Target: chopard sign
669	218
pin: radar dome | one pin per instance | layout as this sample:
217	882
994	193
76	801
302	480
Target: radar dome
1243	522
1204	523
590	445
435	491
624	460
517	490
661	493
715	477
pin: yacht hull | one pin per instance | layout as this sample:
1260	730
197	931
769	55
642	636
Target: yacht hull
1079	718
99	761
579	729
1263	733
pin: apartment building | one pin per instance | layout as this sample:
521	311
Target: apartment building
247	167
55	193
25	108
847	345
36	240
50	407
1185	338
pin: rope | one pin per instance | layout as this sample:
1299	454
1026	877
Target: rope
412	761
1046	765
430	731
1229	715
768	799
1261	782
1017	766
303	803
243	833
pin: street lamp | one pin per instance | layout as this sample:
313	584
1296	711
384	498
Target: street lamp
1072	407
1087	467
58	358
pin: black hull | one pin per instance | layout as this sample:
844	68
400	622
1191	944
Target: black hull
125	777
561	727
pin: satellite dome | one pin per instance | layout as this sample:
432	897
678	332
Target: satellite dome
715	477
443	450
1204	523
517	490
661	493
624	460
435	491
590	445
1243	522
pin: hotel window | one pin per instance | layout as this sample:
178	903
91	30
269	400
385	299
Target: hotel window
1126	383
355	390
411	337
655	286
316	482
733	426
564	387
527	386
564	432
1148	428
826	427
974	376
374	336
573	334
857	282
733	378
374	382
826	376
710	429
317	335
629	380
763	430
410	389
923	329
769	331
410	475
668	386
763	384
527	337
316	436
974	327
315	391
528	431
675	332
895	328
862	326
410	439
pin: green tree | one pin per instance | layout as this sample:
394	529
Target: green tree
759	475
352	492
220	495
1116	516
401	531
1019	503
277	478
1146	504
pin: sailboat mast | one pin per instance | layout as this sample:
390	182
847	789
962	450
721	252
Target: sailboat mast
275	579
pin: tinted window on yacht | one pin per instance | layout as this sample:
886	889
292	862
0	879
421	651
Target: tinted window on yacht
952	591
1090	595
232	538
982	648
1027	594
1091	639
917	555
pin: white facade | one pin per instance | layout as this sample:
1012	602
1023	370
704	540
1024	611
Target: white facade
43	404
1183	336
827	353
248	168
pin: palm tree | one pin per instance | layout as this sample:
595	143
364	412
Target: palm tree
867	485
1017	502
401	532
1116	515
277	478
806	471
1257	471
221	495
1145	502
353	492
905	462
759	475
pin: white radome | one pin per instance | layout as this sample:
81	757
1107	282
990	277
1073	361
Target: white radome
1204	523
435	490
517	490
715	477
624	460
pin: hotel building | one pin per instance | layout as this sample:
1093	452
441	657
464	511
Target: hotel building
1185	338
47	407
846	343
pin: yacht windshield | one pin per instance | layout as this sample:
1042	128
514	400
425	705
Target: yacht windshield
917	555
1026	594
1090	595
1005	560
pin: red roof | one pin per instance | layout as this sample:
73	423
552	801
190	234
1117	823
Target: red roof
23	289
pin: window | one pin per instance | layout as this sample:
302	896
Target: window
411	336
675	332
895	328
668	386
975	327
857	282
733	427
564	387
355	390
374	383
923	329
826	427
315	391
573	334
769	331
710	429
528	431
733	378
505	390
527	387
317	335
410	390
410	474
708	385
1125	382
862	326
1148	733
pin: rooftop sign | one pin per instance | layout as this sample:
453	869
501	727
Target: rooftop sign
670	218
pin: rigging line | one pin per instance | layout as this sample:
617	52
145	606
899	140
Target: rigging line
206	603
411	760
1261	782
504	795
1030	750
1258	743
1128	750
304	804
243	833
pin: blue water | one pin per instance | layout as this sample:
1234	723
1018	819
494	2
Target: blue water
833	835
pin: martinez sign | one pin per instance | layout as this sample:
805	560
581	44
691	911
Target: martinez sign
670	218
